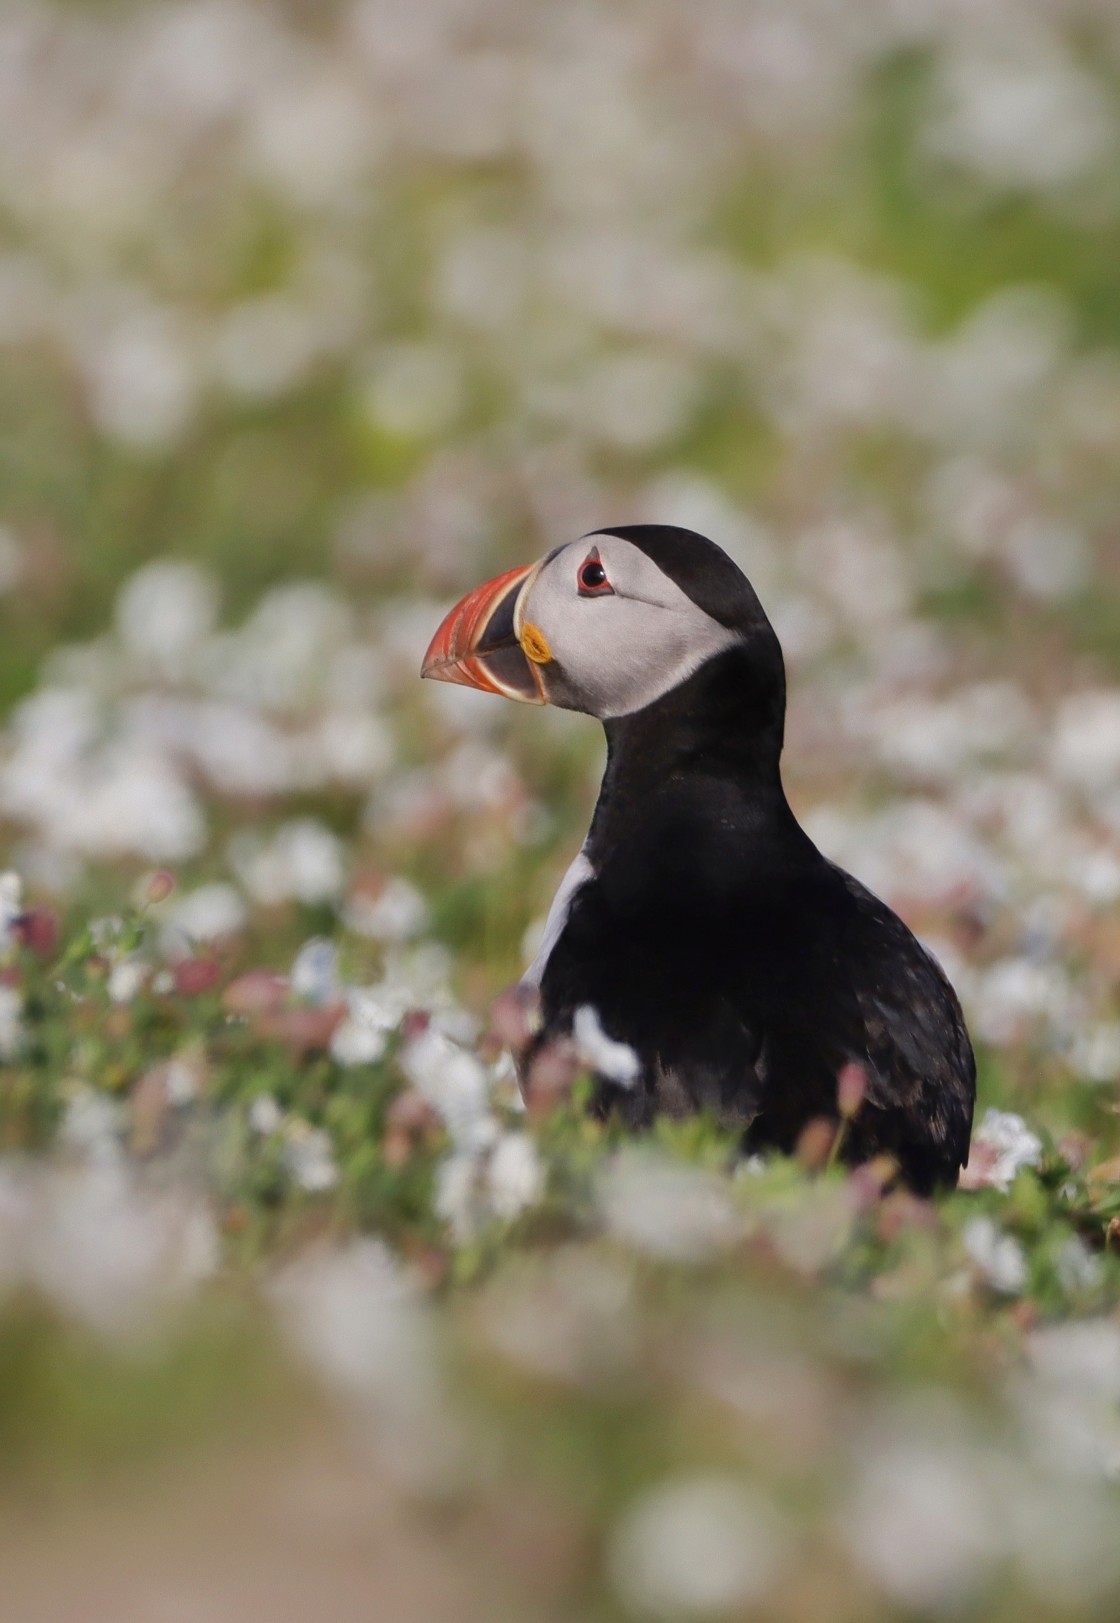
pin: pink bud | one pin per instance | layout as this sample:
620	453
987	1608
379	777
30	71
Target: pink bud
159	886
851	1085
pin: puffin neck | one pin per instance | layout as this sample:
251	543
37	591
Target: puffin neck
725	722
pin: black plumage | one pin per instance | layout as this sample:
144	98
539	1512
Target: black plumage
745	969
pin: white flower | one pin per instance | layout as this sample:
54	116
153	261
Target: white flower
697	1547
202	915
667	1209
458	1195
1078	1268
451	1080
514	1175
999	1257
265	1115
920	1520
11	906
302	862
395	914
1001	1146
1086	747
165	612
354	1042
616	1061
309	1156
315	971
91	1125
126	978
11	1024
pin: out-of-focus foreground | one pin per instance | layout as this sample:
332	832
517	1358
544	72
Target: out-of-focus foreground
311	316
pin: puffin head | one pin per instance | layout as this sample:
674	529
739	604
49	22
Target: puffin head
607	624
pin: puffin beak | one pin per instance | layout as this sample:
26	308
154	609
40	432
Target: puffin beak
483	644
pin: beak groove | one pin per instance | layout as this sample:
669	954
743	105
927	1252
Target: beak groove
477	643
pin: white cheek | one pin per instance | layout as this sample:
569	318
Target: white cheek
618	653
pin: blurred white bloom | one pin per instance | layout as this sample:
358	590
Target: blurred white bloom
11	1022
359	1318
667	1209
1048	559
315	971
310	132
165	612
1084	1357
459	1196
600	1053
354	1042
396	913
95	794
127	978
92	1124
104	1250
570	1318
182	1077
1015	995
281	657
637	401
265	345
1086	748
140	376
1024	117
415	390
921	1519
205	914
1095	1054
265	1115
1078	1268
994	376
1071	1406
698	1546
302	862
1001	1146
999	1257
357	1313
353	746
309	1155
11	906
860	571
451	1079
514	1175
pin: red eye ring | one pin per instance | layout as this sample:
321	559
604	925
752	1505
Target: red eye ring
592	577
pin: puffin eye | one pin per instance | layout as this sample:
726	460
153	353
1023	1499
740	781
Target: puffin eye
592	577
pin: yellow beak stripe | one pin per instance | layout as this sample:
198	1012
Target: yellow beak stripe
534	644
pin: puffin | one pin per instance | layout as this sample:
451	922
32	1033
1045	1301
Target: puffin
744	973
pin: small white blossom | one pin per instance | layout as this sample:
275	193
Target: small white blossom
315	971
265	1115
451	1080
667	1209
127	978
11	906
697	1547
397	913
11	1022
999	1257
1001	1146
353	1042
205	914
514	1175
309	1156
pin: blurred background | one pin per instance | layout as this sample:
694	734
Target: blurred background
311	316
